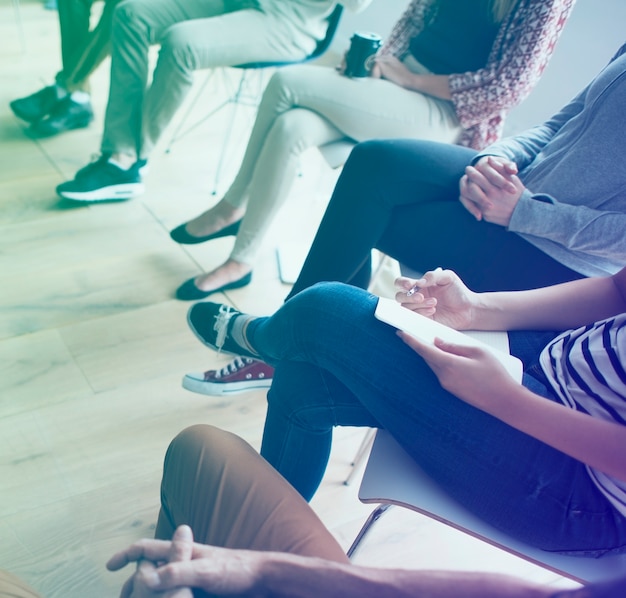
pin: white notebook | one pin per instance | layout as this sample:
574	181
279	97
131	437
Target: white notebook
425	329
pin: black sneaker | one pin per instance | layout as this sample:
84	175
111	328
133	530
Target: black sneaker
103	181
211	323
64	116
34	107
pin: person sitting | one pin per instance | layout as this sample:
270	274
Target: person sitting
541	460
449	72
541	207
255	536
193	34
66	104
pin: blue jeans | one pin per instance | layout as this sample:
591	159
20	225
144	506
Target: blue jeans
401	196
336	364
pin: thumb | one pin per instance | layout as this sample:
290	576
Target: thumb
457	349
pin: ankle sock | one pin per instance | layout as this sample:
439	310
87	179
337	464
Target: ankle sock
118	164
238	335
80	97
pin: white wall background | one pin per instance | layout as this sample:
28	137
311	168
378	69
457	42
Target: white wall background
593	33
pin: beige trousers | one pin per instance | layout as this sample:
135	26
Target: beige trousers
12	587
193	34
82	48
231	497
308	106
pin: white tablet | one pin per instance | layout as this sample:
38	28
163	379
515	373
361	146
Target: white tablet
425	329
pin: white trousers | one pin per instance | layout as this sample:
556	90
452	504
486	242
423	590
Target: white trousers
305	106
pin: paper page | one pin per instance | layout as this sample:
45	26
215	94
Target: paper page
425	329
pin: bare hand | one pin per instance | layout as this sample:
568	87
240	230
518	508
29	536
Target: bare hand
390	68
472	374
490	190
440	295
168	573
149	555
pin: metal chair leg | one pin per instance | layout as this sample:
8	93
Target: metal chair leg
375	515
364	447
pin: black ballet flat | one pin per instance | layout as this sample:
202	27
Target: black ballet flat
180	234
188	291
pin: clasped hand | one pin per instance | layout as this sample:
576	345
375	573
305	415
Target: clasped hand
169	569
490	190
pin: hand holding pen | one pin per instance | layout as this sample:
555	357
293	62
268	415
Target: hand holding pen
440	295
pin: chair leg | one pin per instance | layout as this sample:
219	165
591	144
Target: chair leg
361	453
375	515
235	101
20	25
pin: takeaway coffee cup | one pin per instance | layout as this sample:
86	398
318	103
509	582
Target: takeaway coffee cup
360	56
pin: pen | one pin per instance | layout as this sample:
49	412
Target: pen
412	291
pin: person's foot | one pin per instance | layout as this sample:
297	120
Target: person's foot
242	374
34	107
230	275
180	234
64	116
104	181
219	221
213	323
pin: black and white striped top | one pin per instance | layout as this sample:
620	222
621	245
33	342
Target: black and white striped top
587	370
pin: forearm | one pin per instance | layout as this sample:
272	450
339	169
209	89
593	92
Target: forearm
301	577
597	443
560	307
433	85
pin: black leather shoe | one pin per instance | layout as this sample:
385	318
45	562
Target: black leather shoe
180	234
188	291
65	116
37	105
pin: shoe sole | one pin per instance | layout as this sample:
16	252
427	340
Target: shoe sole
215	389
35	131
112	193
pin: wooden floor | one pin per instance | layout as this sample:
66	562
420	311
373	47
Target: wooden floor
93	346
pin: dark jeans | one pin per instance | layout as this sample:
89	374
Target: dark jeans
338	365
401	197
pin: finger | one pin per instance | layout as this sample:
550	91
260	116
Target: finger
468	351
127	588
154	550
471	207
492	173
404	282
182	544
505	166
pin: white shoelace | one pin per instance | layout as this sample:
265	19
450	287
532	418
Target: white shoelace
233	367
221	324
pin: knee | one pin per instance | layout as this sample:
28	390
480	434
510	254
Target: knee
196	443
177	49
371	156
130	18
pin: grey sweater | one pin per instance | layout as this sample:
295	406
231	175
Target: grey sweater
574	170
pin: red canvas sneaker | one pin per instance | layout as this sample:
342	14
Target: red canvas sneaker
240	375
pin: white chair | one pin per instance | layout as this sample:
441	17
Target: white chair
392	477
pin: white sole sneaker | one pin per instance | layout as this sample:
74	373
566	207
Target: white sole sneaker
112	193
195	382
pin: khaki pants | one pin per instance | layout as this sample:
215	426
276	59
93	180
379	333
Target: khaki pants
82	48
193	34
12	587
231	497
307	106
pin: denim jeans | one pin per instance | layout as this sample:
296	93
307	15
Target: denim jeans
336	364
401	196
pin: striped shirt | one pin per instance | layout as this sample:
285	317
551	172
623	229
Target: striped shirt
586	368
